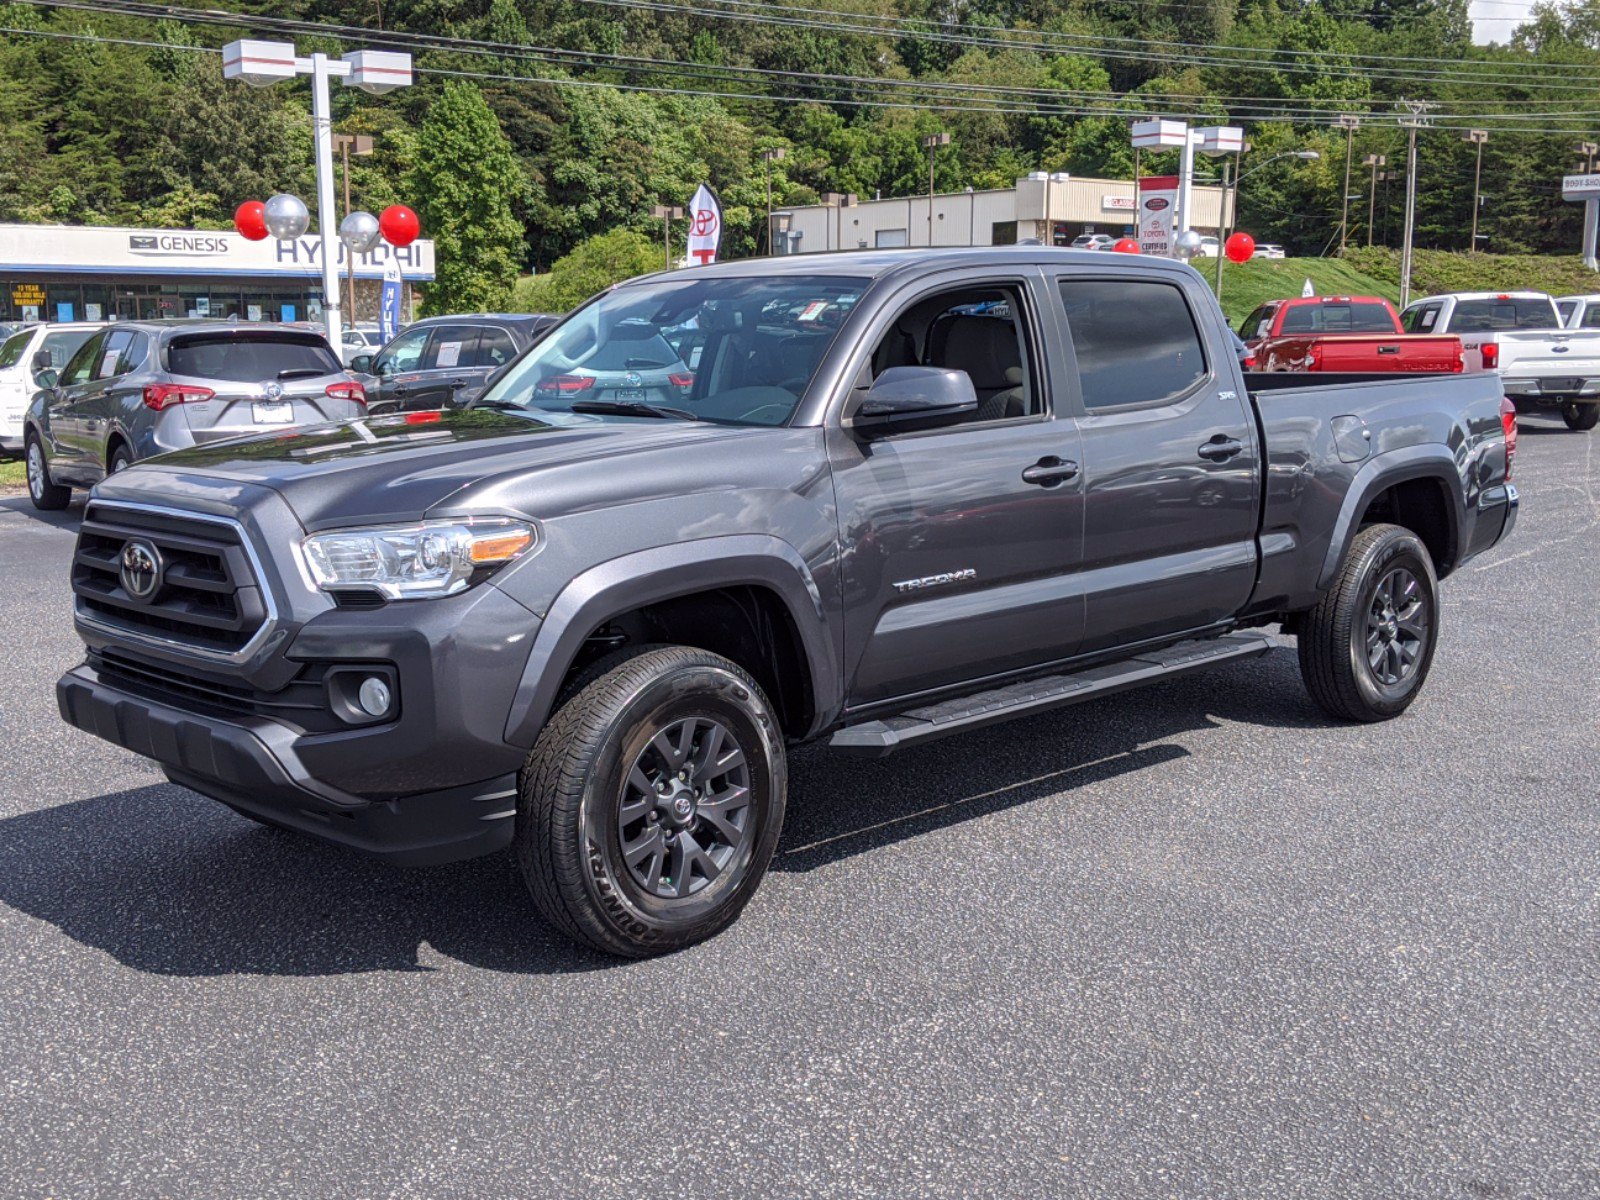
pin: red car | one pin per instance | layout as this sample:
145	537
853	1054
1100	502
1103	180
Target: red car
1343	333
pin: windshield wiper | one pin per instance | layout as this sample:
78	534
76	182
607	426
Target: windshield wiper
632	408
497	405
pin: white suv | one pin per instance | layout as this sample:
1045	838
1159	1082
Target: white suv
22	356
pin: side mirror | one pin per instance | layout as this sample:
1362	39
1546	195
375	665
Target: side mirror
907	398
42	361
46	380
361	364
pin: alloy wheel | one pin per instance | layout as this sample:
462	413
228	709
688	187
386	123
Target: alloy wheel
1397	627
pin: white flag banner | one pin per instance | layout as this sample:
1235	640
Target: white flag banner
705	227
1308	290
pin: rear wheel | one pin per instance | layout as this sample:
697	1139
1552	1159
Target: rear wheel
121	459
44	494
1580	416
650	806
1365	649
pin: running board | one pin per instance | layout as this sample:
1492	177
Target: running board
876	738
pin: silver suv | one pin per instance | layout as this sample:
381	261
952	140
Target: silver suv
138	389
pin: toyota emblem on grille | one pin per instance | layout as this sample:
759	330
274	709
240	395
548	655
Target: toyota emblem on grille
141	569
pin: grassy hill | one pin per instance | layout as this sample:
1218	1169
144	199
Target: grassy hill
1376	272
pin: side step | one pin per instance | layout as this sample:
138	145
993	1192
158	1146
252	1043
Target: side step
876	738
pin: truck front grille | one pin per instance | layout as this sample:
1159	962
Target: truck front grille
207	596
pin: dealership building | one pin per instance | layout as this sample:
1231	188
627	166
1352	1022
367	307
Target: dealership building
1052	209
92	273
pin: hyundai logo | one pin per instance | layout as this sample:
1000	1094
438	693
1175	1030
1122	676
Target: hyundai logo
141	569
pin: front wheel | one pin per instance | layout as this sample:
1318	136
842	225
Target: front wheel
1580	416
1366	647
651	804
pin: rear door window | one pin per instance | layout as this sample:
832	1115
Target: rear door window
1591	316
495	348
108	363
244	357
1135	341
453	348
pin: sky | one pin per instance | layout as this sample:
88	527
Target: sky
1495	20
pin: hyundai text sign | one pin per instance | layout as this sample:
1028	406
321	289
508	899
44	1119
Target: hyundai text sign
1580	187
82	250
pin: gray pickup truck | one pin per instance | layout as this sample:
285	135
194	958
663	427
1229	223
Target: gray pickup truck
870	498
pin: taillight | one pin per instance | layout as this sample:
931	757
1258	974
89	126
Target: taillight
164	395
683	382
1508	422
424	418
1314	357
1249	362
1491	355
565	385
348	391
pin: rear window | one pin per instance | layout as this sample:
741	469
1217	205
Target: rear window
1338	318
245	357
1528	312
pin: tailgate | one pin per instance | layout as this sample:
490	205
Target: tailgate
1552	356
1363	353
239	409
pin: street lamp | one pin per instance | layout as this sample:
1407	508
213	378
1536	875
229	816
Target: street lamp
768	157
359	144
1477	137
1349	124
667	214
262	64
1233	208
931	144
1372	161
839	202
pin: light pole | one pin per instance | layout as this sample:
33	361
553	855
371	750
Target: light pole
768	157
1588	150
262	64
931	144
1477	137
838	201
1415	117
1373	161
1302	155
360	145
667	214
1349	124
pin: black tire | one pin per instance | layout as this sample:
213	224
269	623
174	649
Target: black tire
46	496
1580	416
121	459
583	792
1362	658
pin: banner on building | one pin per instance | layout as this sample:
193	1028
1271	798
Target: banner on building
389	302
1158	204
705	227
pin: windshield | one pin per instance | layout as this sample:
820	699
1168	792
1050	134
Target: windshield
737	351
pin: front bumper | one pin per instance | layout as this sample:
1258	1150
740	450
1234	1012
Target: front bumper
252	764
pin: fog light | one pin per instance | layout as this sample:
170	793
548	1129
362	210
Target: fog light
374	696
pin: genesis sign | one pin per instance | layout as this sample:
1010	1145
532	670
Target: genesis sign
89	250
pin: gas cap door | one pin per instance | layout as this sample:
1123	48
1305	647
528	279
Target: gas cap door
1352	437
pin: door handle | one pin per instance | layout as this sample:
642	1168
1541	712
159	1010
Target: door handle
1221	447
1049	471
1388	349
399	389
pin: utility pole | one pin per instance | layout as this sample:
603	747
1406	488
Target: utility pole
1372	161
1222	228
1477	137
667	214
1349	124
931	144
768	157
1588	150
360	145
1414	116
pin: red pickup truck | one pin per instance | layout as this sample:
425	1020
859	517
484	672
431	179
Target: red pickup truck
1343	333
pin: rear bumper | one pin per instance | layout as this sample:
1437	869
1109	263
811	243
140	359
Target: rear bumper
1538	391
250	764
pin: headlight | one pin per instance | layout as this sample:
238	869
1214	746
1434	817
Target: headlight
433	558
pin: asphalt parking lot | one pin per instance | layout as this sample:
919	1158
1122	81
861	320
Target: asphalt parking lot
1191	942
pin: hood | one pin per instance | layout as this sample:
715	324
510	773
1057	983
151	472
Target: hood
397	468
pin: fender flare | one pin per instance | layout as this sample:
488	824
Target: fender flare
1431	461
650	576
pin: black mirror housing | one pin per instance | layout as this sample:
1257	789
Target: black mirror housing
908	398
361	364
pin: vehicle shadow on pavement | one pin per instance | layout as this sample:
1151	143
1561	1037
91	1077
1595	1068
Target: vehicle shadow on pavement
66	518
169	882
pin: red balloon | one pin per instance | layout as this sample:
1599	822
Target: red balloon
1125	246
250	219
399	225
1240	247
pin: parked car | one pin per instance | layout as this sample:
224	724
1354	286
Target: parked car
361	339
1093	241
140	388
1579	312
441	361
1343	333
29	351
1268	250
1009	479
1520	335
1209	247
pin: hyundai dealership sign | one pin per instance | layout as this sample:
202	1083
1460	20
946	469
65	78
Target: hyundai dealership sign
72	249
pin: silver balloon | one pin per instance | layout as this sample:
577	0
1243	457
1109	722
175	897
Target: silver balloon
359	231
287	217
1189	243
